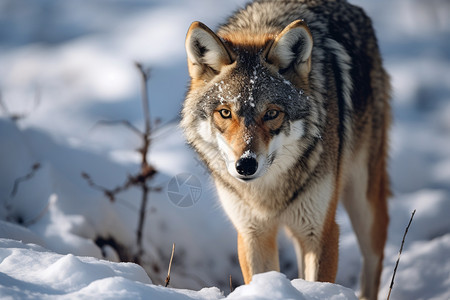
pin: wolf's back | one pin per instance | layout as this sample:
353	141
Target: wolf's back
344	43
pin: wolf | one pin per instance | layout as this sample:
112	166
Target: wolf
289	107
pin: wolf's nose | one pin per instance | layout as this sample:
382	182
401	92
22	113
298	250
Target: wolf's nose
246	166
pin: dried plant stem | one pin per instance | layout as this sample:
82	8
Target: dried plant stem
146	169
231	284
170	266
399	254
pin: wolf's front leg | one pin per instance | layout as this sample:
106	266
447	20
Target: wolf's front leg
321	254
258	252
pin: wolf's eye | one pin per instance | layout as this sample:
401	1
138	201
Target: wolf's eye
271	114
225	113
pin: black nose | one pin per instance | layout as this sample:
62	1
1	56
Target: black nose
246	166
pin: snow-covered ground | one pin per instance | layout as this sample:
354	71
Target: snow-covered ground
50	275
65	65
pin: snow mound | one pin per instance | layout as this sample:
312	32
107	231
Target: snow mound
274	285
51	275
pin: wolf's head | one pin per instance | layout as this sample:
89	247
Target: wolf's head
248	97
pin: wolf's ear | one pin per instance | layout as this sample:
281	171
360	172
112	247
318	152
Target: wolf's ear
206	52
292	48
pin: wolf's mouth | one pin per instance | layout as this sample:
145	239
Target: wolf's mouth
247	179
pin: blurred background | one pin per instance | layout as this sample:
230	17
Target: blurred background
66	65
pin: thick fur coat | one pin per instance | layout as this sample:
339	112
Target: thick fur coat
288	106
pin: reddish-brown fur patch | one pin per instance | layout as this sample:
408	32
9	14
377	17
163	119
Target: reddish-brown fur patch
268	250
377	194
252	43
242	253
232	130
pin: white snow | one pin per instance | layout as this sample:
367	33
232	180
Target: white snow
45	274
248	154
66	66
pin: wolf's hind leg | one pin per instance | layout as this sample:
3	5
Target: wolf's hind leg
258	252
364	198
298	252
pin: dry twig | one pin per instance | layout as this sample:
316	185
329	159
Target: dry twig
400	253
170	266
125	123
18	116
18	219
231	284
26	177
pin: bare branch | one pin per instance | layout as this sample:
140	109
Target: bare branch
18	116
141	221
145	76
110	194
121	122
146	171
26	177
400	253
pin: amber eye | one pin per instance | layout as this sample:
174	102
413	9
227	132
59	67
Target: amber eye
271	114
225	113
